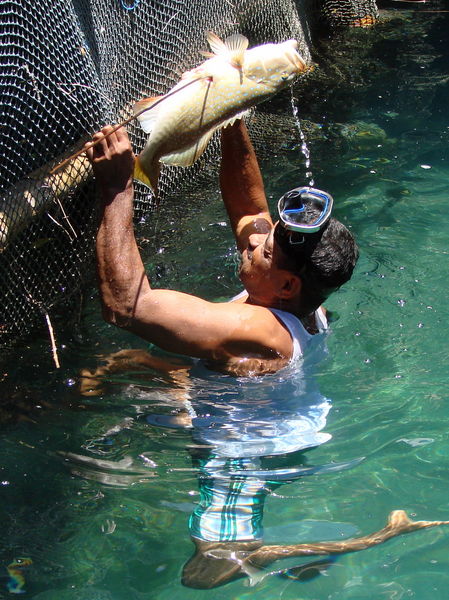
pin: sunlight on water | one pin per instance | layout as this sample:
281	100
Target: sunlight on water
98	489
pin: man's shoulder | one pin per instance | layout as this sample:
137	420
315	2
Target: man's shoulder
261	326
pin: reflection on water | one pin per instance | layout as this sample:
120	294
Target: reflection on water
247	438
236	426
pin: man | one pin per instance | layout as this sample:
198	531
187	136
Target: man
283	272
287	270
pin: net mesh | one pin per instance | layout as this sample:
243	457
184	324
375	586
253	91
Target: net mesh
347	13
67	68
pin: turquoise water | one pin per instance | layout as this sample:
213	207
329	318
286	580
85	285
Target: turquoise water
99	533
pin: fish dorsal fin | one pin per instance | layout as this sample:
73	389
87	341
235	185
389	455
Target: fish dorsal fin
187	156
217	45
233	48
147	118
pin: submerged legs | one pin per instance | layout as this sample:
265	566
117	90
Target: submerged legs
216	563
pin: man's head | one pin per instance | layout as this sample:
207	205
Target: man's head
323	259
297	270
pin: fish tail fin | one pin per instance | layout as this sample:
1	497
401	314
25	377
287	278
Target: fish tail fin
144	176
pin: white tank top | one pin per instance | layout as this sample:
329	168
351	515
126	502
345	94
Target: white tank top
299	334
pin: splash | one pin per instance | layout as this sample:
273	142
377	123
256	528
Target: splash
304	147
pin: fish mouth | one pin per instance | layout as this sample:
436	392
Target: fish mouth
294	57
296	61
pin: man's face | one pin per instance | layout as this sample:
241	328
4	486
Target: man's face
258	267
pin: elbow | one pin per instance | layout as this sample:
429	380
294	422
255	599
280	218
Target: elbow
118	303
120	293
108	315
119	316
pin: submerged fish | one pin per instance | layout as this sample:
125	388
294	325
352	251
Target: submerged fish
26	200
209	97
309	571
16	580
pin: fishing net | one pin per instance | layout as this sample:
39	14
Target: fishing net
348	13
67	68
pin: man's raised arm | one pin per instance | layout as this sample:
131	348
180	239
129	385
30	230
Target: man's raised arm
172	320
242	185
121	274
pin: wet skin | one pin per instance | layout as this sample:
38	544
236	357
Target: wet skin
242	335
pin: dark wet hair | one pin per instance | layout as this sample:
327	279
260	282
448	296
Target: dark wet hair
324	260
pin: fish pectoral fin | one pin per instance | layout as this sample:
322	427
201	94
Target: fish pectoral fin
187	156
148	117
233	48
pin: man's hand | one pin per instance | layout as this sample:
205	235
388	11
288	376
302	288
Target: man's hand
112	159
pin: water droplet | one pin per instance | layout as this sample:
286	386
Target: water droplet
304	148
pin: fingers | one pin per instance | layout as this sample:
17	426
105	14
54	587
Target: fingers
122	136
107	142
112	158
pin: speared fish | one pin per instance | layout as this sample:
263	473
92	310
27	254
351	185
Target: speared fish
209	97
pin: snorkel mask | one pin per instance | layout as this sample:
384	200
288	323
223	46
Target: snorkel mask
292	208
298	231
301	233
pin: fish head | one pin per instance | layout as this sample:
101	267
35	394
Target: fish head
274	65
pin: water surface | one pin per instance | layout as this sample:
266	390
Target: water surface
96	533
